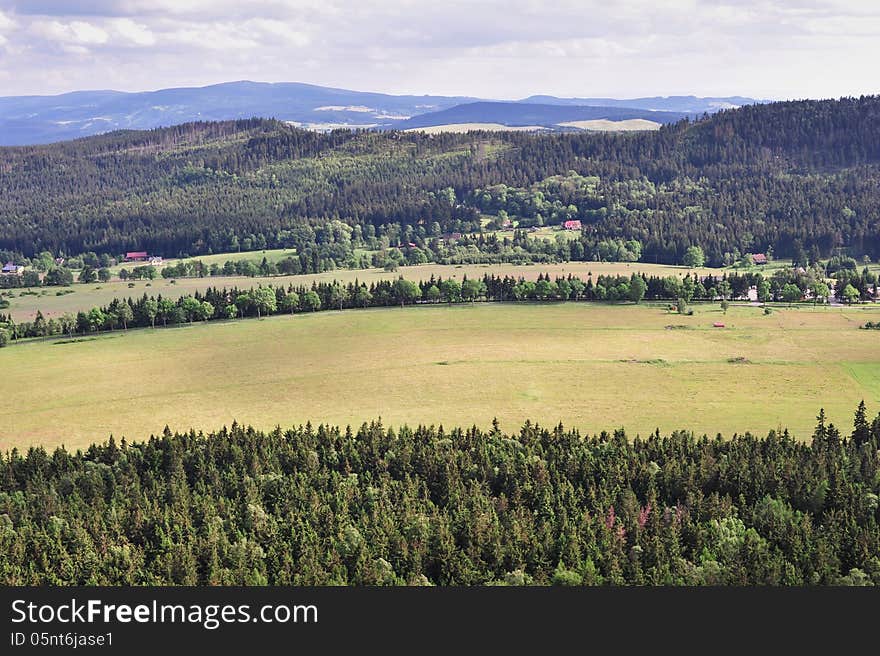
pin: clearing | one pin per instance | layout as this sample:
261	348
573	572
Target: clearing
604	125
470	127
590	366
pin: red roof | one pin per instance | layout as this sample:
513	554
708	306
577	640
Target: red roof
718	324
134	254
572	225
759	258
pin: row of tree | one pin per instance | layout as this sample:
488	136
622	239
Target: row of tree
232	303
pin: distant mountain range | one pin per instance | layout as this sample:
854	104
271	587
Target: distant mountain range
683	104
521	114
43	119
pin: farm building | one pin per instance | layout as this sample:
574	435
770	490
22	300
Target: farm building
572	225
156	260
136	256
759	258
718	324
12	269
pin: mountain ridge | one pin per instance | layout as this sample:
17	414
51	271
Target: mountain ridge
27	120
527	114
686	104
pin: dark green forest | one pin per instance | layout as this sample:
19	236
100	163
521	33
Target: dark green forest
793	177
434	505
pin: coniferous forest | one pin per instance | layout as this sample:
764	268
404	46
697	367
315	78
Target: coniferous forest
435	505
787	176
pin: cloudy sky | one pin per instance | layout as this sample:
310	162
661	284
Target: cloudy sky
487	48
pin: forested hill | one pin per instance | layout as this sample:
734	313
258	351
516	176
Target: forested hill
784	175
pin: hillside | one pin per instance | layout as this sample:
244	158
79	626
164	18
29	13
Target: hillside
795	176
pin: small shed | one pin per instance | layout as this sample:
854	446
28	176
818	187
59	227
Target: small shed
759	258
572	225
718	324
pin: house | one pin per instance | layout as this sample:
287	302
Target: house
136	256
12	269
759	258
507	223
572	225
59	261
156	260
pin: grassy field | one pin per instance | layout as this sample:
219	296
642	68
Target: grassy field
544	232
85	297
469	127
590	366
604	125
271	255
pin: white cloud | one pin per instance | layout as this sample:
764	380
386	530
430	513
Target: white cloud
6	22
587	48
284	31
844	26
135	33
73	33
211	37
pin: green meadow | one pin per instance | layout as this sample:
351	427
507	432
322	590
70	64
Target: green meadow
590	366
23	305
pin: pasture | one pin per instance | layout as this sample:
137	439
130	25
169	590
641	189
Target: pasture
605	125
471	127
591	366
271	255
23	307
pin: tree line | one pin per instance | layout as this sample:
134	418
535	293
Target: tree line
221	303
434	505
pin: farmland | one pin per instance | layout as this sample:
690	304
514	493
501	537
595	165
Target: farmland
23	307
604	125
470	127
591	366
271	255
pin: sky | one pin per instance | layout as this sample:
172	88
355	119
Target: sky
768	49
